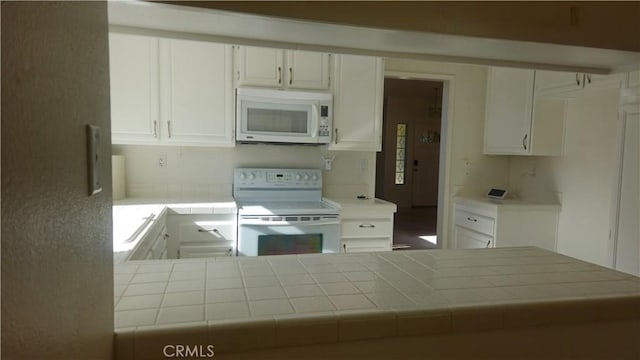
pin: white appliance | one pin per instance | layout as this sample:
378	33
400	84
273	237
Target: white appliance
282	116
281	211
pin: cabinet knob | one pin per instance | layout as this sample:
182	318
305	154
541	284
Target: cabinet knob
367	226
335	139
488	243
290	76
279	75
155	128
169	128
472	219
344	248
524	141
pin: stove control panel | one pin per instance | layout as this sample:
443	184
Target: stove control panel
277	178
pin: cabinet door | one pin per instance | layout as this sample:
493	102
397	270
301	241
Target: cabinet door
357	103
133	71
197	93
548	82
467	239
508	111
307	70
259	66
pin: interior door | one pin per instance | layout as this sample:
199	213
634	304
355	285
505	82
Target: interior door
628	235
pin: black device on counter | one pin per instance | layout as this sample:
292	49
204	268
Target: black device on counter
495	193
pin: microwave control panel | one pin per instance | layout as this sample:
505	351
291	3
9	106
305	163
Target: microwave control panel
325	122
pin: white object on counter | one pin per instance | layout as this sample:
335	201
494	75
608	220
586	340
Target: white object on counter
118	177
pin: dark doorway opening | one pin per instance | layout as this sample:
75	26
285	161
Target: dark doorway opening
407	168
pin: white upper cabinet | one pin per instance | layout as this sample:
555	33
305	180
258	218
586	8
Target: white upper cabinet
357	103
198	98
508	111
133	68
170	92
279	68
517	122
307	70
570	84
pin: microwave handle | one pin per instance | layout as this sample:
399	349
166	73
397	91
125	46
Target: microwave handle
314	120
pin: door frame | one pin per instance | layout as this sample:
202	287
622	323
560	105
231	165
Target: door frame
444	166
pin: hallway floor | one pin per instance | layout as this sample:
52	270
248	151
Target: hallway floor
410	224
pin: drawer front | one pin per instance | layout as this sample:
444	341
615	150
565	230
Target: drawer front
365	245
204	251
367	227
203	231
475	222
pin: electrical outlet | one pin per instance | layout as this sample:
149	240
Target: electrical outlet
162	161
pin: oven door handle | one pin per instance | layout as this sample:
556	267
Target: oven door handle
288	223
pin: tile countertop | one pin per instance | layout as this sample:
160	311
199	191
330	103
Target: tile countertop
368	203
246	303
513	203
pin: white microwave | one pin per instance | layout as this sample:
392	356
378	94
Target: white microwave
282	116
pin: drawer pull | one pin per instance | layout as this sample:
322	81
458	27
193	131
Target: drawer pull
472	219
369	226
488	243
212	230
344	248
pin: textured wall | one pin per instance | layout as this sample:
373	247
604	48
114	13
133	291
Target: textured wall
57	292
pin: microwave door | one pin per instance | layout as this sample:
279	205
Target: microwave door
277	122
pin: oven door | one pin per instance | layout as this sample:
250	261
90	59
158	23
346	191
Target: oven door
280	235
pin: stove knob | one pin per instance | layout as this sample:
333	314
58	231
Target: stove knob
252	176
314	178
306	177
242	176
298	177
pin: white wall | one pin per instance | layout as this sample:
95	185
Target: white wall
582	179
199	171
470	172
57	264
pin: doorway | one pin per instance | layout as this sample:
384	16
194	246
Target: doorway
407	169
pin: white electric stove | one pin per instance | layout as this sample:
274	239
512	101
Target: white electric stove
281	211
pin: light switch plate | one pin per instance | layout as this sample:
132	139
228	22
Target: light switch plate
94	159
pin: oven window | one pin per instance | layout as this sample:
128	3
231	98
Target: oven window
280	244
277	121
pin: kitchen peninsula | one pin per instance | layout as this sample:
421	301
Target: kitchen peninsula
486	303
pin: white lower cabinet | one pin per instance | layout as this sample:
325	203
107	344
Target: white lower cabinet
154	243
365	231
482	223
197	236
467	239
